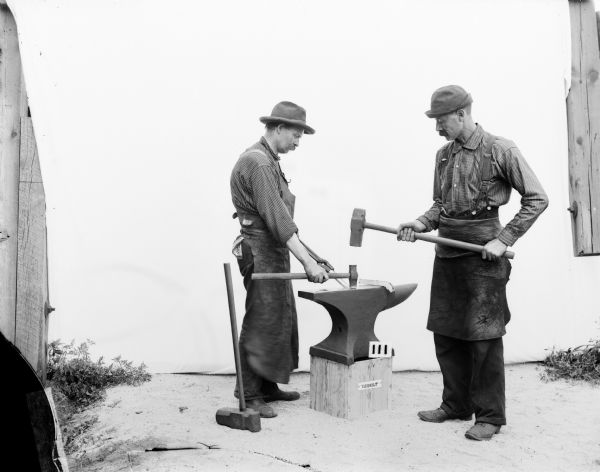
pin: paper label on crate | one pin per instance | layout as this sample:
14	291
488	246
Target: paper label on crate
369	385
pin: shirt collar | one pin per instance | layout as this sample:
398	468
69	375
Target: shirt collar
472	143
265	144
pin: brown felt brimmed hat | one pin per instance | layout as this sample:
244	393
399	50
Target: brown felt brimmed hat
448	99
290	114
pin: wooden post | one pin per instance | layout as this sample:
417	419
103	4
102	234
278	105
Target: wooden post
10	124
583	120
32	274
23	261
31	434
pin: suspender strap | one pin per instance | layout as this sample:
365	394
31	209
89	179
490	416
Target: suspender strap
485	173
443	168
445	157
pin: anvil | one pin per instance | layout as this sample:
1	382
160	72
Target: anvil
353	313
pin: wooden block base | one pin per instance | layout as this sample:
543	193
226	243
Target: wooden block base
350	391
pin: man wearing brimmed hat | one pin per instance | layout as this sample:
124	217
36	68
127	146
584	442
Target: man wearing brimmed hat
474	175
265	208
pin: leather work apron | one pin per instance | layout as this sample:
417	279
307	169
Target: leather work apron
468	294
269	335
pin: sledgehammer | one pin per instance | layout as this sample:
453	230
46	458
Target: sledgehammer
359	223
232	417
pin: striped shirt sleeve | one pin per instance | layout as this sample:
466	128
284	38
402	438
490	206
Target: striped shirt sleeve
534	200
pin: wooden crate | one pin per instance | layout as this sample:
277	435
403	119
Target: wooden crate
350	391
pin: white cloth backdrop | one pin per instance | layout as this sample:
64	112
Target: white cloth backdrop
142	107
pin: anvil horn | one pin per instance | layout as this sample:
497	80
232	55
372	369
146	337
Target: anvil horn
401	293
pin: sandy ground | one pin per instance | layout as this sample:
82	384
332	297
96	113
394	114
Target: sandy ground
552	426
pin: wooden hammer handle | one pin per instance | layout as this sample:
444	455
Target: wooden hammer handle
294	276
234	335
437	239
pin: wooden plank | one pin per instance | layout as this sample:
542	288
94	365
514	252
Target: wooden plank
598	26
23	100
10	108
329	387
369	386
32	272
350	391
583	119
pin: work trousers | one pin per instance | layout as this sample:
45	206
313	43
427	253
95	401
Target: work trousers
473	373
255	386
269	336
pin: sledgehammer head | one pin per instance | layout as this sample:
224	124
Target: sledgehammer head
357	227
236	419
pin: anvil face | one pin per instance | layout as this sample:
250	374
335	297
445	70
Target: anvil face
353	313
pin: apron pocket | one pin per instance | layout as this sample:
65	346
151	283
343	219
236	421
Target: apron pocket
499	269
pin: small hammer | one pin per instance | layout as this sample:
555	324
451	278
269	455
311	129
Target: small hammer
322	262
351	275
359	223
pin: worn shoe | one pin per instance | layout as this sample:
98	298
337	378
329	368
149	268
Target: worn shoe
482	431
263	409
280	395
439	416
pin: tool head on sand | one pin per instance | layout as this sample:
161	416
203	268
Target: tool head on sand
357	226
236	419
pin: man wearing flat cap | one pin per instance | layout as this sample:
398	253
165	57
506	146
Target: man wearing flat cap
474	175
265	209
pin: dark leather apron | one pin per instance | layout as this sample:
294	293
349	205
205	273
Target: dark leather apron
269	335
468	294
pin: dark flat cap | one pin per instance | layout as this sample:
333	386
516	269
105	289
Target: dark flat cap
290	114
447	100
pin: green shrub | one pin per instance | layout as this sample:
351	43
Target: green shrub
580	363
83	381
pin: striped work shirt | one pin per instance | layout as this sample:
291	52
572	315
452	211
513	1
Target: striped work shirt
256	189
457	183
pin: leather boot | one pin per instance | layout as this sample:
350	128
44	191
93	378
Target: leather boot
280	395
439	416
263	409
482	431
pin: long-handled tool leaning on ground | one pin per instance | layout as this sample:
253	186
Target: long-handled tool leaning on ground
241	418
